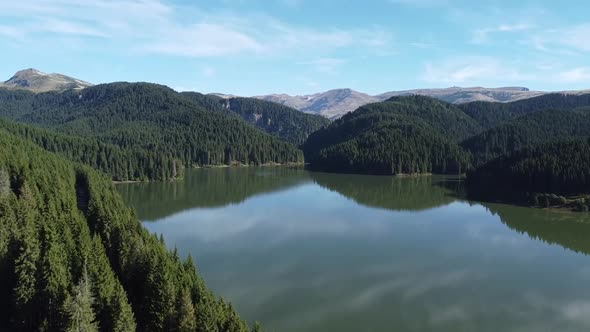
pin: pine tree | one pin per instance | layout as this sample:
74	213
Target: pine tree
185	311
79	307
123	319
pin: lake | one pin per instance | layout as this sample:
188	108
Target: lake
304	251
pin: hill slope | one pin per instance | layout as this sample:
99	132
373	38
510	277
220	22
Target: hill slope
278	120
560	167
526	131
150	117
122	164
74	257
490	115
404	135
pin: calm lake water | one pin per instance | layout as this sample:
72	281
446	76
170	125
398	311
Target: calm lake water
303	251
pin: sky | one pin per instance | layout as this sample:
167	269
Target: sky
254	47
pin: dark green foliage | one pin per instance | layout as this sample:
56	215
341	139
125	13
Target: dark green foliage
70	250
527	131
123	164
284	122
208	102
415	193
446	119
154	118
78	306
561	167
490	115
404	135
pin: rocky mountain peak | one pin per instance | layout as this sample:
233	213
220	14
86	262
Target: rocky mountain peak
38	81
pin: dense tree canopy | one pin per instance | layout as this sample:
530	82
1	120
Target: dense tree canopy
404	135
123	164
527	131
153	118
490	115
74	257
560	167
284	122
445	118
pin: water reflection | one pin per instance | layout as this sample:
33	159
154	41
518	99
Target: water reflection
327	252
571	230
209	187
391	192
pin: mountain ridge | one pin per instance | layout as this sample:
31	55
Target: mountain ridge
37	81
330	104
347	100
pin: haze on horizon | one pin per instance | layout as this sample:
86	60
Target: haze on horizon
254	47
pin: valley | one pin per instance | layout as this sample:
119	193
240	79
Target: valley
178	163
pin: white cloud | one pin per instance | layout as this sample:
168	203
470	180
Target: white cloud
209	72
69	28
11	32
577	37
203	39
576	75
325	65
471	70
156	27
482	35
569	40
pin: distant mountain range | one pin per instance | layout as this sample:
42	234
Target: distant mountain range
37	81
335	103
331	104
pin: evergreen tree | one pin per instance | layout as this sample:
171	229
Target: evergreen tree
185	312
79	307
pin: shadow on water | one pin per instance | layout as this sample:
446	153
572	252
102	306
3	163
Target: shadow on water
570	230
390	192
207	188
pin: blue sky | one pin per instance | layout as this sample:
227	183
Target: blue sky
251	47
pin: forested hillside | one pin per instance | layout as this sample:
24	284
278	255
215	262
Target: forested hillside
208	102
284	122
560	167
406	135
123	164
490	115
74	257
527	131
150	117
383	144
446	119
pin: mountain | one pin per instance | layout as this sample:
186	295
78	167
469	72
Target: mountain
335	103
490	115
404	135
331	104
37	81
557	167
278	120
458	95
149	117
528	130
